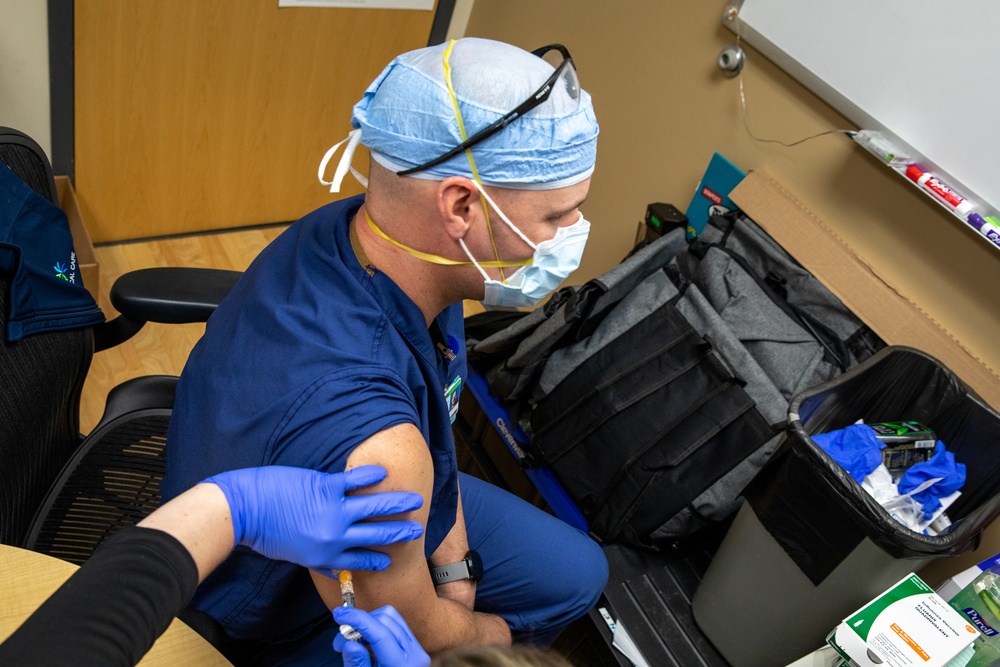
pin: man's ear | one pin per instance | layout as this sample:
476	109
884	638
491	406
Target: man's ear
458	205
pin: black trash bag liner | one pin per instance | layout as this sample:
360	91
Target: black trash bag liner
819	514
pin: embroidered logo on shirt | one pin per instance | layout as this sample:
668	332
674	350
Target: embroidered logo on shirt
64	272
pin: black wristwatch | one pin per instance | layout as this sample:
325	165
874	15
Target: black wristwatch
470	567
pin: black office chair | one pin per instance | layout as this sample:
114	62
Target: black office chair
61	493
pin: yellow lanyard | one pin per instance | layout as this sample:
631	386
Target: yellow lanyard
437	259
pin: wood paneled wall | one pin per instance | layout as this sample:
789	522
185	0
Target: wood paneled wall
195	115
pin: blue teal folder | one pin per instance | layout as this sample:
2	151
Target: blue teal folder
712	193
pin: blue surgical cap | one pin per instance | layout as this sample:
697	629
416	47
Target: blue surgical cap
406	117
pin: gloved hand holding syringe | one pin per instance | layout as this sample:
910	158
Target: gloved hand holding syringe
383	630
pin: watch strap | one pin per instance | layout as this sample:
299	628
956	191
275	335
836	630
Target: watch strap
448	573
470	567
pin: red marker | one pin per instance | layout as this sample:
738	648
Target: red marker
961	206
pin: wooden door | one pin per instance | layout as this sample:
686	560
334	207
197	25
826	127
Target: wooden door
196	115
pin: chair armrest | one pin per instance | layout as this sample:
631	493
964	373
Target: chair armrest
171	295
168	295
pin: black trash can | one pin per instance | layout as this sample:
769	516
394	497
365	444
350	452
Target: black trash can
809	545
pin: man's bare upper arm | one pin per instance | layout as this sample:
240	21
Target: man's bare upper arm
406	585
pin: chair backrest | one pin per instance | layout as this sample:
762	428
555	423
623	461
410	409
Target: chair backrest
113	479
25	157
41	378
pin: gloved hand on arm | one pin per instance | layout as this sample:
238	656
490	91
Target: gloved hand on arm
390	638
315	524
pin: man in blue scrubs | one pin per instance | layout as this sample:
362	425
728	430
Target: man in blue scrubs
343	345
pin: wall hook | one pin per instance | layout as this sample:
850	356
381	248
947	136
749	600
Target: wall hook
731	60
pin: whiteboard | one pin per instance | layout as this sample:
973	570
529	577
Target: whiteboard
924	72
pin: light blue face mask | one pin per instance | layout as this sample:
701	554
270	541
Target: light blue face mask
551	263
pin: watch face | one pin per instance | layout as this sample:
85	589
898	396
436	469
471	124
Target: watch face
475	565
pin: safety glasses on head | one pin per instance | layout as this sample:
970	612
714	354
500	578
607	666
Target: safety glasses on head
564	78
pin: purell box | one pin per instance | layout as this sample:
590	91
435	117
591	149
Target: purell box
950	587
909	624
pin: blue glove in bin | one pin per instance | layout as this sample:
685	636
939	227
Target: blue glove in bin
856	449
941	465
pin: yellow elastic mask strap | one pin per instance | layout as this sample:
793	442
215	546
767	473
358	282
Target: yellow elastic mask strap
437	259
472	162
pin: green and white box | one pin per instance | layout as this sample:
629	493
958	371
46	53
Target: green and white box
907	625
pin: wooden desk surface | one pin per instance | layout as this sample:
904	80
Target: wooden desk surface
27	579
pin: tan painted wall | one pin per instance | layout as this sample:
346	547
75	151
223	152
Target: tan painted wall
24	69
664	107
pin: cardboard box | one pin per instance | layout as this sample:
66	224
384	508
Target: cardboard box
895	318
85	257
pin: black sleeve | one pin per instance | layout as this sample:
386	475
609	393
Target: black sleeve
113	608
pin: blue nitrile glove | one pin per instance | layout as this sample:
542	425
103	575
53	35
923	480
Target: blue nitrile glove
941	464
303	516
389	636
856	449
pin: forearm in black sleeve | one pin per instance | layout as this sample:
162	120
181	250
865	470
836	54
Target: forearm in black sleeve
113	608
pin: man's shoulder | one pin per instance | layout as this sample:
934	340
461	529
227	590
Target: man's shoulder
400	448
320	234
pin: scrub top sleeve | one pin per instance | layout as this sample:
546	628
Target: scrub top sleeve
340	413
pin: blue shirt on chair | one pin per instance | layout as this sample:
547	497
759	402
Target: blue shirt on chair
36	251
